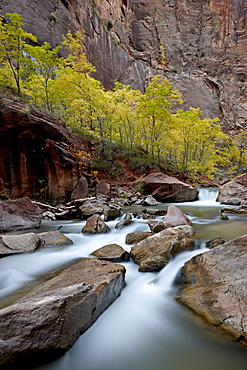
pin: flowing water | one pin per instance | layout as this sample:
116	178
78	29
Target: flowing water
145	328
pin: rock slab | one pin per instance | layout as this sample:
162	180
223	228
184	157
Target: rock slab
214	286
47	322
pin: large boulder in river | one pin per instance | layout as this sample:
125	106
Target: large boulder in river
48	320
25	243
168	189
153	253
95	225
234	191
54	238
19	214
214	286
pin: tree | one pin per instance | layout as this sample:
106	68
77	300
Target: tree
44	62
14	63
154	113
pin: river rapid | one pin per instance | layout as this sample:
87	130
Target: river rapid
145	328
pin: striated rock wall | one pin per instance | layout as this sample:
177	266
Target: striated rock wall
37	155
200	45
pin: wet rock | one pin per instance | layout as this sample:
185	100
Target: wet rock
234	191
137	236
95	225
11	244
19	214
150	201
54	238
214	287
112	252
176	217
48	215
111	214
218	240
153	212
126	221
223	216
157	226
168	189
153	253
236	210
47	321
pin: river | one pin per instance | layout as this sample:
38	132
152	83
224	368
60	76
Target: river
145	328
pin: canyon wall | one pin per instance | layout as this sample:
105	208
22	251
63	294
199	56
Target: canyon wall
200	45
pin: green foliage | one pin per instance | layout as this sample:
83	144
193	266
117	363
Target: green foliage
143	124
15	66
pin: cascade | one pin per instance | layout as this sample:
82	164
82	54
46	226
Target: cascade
145	328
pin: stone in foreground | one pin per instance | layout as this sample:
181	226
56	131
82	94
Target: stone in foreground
153	253
214	286
54	238
47	321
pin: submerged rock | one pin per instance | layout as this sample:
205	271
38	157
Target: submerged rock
214	286
153	253
112	252
46	322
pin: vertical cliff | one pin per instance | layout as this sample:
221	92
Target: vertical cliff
200	45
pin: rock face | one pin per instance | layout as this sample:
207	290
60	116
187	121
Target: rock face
19	214
234	191
47	322
214	287
168	189
37	155
153	253
199	45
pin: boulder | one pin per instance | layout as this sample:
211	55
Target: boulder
150	201
157	226
137	236
47	321
112	252
168	189
235	210
153	253
111	214
54	238
11	244
175	217
90	208
95	225
214	287
153	213
103	190
234	191
19	214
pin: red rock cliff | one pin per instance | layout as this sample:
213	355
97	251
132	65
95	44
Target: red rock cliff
204	45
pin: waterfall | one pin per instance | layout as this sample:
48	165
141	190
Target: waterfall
208	194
